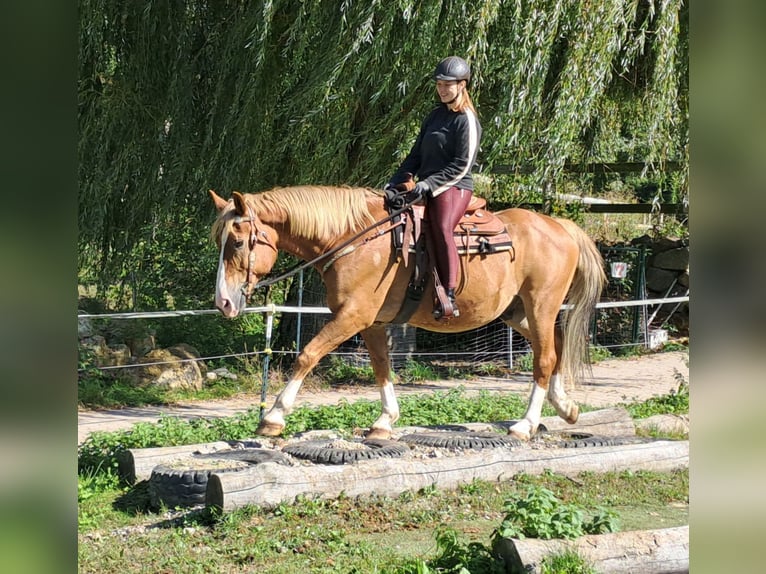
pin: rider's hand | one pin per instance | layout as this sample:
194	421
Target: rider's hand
418	193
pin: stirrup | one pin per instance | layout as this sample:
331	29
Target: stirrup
439	311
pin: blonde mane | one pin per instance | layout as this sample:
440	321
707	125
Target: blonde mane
312	212
318	212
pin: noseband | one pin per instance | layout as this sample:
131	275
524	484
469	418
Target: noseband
256	235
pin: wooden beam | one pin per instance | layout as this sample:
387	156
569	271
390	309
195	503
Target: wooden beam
674	208
661	551
613	167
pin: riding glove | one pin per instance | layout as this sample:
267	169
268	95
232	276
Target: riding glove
419	192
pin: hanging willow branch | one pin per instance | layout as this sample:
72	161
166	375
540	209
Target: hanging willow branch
180	96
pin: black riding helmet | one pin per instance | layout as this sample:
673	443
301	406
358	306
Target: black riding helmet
453	68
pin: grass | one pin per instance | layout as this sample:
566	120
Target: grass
434	530
430	531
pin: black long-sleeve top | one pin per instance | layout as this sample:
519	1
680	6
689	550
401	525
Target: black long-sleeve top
444	152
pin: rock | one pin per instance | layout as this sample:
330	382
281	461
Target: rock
140	346
170	368
673	259
106	355
84	327
659	280
223	373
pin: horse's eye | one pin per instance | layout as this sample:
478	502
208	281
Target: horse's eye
238	244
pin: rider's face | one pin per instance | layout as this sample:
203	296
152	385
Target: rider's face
448	90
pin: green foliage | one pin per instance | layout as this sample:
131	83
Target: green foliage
340	371
567	562
540	514
454	556
174	98
414	371
675	402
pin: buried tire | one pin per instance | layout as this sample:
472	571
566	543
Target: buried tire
345	452
186	484
585	440
467	439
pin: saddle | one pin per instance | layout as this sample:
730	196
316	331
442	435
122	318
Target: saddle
479	232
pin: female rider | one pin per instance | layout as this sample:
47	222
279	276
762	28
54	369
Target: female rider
441	159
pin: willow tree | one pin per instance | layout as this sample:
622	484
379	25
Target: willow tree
180	96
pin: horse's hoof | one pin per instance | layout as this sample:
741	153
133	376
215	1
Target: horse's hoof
378	433
269	429
525	436
574	414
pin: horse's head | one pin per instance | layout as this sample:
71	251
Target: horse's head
247	251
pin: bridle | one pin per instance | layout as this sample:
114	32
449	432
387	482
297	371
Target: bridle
256	235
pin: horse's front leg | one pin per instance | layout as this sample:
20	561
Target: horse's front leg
339	329
376	340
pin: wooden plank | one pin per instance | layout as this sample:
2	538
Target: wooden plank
647	551
668	208
610	167
269	484
137	464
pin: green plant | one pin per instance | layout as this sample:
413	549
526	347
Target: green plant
339	371
525	363
567	562
675	402
455	556
414	371
539	514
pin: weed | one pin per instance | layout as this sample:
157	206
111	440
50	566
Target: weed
675	402
567	562
414	371
540	514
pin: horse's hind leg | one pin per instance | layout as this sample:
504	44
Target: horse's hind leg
375	339
545	337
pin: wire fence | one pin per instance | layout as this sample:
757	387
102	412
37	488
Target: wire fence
491	343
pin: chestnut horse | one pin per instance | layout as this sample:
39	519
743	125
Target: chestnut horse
552	259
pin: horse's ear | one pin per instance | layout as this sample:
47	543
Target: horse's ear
240	203
219	202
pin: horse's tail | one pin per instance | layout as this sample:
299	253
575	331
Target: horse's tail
584	293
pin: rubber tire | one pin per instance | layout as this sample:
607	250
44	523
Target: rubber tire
585	440
318	452
467	439
186	487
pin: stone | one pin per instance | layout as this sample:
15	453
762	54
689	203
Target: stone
659	280
673	259
106	355
140	346
172	368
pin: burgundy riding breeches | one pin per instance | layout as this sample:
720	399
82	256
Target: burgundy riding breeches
443	212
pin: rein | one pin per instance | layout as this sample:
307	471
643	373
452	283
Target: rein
336	251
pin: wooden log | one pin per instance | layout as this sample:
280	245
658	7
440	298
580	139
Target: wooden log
136	464
615	421
269	484
662	551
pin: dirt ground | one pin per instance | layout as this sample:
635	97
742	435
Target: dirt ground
614	381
